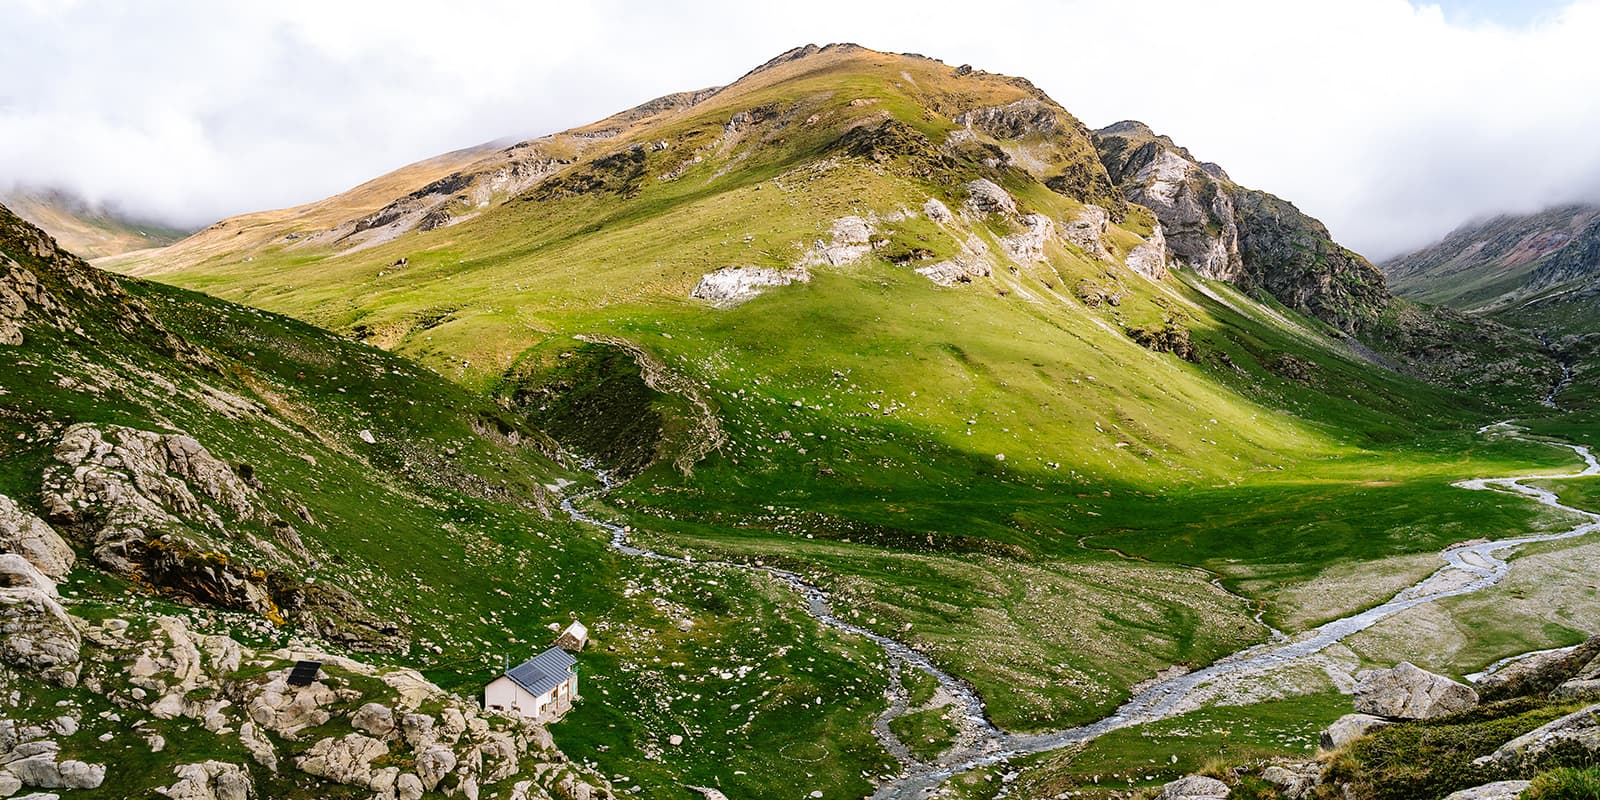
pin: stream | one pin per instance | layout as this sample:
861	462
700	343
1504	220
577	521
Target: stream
1467	568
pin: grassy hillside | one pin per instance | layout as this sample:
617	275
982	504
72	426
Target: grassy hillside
1026	450
442	529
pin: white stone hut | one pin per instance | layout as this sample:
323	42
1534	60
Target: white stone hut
541	688
574	637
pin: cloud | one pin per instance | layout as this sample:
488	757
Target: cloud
1392	122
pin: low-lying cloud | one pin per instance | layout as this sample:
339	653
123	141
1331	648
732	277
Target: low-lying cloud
1391	122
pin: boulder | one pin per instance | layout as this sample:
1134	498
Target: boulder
1410	692
1295	781
9	784
1194	787
1580	728
35	632
408	787
937	211
1349	728
1537	674
1499	790
28	536
373	718
433	764
39	768
346	760
210	780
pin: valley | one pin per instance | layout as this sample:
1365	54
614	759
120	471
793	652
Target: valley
894	434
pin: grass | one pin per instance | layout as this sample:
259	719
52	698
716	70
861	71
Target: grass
1565	784
926	733
992	471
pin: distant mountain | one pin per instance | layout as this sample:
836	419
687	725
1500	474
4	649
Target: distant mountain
1541	270
83	228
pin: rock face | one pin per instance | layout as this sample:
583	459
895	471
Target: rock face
1349	728
1227	232
1580	729
35	631
1150	259
28	536
986	197
1194	787
1409	692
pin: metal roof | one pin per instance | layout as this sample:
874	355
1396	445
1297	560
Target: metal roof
543	672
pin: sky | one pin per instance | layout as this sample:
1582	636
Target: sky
1391	121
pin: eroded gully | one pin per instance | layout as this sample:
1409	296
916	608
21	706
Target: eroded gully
1467	568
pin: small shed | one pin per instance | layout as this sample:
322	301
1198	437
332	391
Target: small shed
574	637
541	688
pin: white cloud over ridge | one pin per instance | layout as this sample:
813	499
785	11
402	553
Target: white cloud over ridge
1390	122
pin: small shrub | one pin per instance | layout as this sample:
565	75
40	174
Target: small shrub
1565	784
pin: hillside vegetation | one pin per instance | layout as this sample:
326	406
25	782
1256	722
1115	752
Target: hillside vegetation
893	325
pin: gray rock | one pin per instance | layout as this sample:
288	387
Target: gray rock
1539	673
408	787
1410	692
35	632
9	784
346	760
986	197
1194	787
1500	790
28	536
731	286
1577	690
433	764
375	719
1088	231
210	780
43	771
937	211
1581	728
1349	728
1295	781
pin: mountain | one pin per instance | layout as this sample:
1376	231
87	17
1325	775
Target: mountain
84	228
891	332
1541	270
1247	237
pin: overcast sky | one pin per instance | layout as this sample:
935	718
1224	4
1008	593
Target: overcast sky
1390	121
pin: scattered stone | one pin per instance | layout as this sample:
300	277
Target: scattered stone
1410	692
374	718
366	436
676	740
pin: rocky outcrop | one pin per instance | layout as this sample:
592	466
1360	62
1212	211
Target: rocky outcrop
1295	780
731	286
971	262
35	632
1227	232
1409	692
1541	673
28	536
37	763
1151	257
1088	230
1194	787
1349	728
1579	730
986	197
210	780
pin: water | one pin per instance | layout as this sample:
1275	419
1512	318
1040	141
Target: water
1467	569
